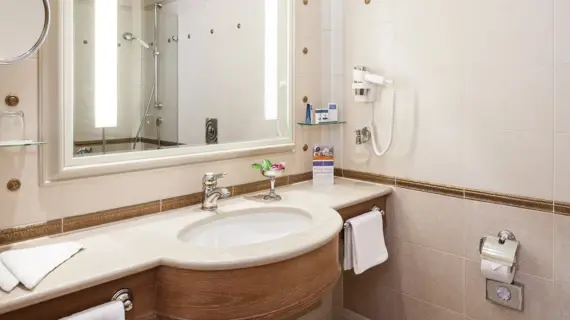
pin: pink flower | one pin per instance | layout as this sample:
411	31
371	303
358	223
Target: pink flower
278	166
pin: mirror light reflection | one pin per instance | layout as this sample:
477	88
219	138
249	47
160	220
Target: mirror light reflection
106	13
178	73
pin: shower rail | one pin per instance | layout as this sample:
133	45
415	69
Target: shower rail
155	88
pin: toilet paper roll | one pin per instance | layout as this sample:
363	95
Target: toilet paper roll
498	272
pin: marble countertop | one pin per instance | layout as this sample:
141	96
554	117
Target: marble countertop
117	250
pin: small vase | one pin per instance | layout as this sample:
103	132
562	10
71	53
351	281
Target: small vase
272	175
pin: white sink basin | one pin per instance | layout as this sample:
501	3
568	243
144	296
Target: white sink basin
245	227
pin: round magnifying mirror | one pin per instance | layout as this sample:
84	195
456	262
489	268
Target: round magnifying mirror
23	28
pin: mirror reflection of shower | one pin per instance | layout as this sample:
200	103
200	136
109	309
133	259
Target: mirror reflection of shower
183	69
131	37
154	93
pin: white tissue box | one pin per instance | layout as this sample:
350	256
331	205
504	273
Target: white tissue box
321	116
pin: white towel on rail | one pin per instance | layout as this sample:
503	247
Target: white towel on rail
113	310
364	245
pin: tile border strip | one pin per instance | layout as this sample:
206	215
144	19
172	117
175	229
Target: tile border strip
13	235
370	177
441	189
562	208
90	220
95	219
107	216
535	204
510	200
181	201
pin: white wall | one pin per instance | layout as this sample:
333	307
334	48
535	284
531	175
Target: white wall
333	73
212	69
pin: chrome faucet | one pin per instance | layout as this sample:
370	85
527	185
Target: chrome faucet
211	193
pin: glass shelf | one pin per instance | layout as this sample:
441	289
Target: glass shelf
319	124
20	143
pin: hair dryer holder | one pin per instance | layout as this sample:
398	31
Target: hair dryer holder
366	84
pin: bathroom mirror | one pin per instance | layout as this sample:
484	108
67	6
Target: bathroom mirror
25	24
182	73
154	83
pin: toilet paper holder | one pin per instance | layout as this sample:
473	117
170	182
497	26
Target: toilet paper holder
502	249
504	235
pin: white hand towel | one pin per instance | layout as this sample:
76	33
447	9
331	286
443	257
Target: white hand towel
109	311
7	280
364	245
31	265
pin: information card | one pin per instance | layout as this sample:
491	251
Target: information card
323	165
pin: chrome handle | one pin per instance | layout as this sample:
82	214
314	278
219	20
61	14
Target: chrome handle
481	243
505	235
212	177
126	297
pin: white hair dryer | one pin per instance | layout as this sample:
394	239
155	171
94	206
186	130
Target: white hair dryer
365	84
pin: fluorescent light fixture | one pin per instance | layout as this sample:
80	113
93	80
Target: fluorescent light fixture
271	57
106	95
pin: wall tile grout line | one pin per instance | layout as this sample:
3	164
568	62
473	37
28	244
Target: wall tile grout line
429	248
464	311
423	301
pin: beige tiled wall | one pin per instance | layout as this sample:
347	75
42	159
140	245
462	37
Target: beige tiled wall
33	204
433	269
483	102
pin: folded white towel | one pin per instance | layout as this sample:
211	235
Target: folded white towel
7	280
109	311
31	265
364	245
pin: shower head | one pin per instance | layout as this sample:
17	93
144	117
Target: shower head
130	37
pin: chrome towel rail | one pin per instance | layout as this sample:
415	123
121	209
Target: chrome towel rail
375	208
126	297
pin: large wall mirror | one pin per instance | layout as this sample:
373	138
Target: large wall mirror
191	80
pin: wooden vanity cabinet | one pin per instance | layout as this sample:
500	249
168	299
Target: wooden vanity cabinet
275	291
